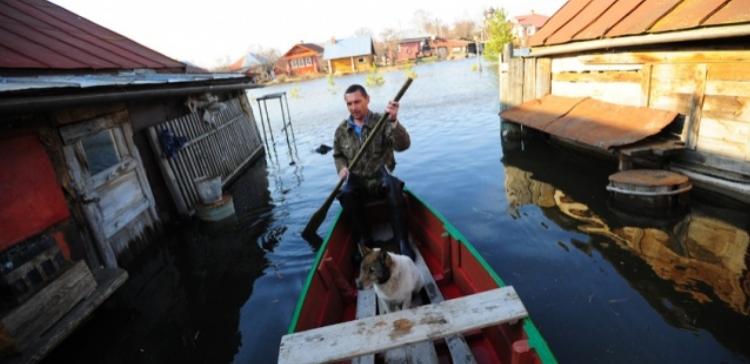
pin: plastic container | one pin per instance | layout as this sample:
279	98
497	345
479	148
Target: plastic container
209	189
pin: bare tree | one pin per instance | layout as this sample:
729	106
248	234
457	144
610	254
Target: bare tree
363	32
464	29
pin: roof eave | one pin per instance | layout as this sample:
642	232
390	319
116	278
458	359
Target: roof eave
46	99
716	32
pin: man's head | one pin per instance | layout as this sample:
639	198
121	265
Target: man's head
357	101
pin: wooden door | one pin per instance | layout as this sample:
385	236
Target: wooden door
109	179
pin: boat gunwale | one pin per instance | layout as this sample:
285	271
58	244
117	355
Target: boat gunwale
536	341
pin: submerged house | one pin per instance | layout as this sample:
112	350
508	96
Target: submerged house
349	55
301	59
102	139
413	45
450	48
655	83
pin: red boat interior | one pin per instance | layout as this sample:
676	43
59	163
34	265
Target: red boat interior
331	297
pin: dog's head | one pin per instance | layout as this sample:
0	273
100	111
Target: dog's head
375	268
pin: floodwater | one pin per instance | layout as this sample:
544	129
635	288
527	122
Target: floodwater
600	285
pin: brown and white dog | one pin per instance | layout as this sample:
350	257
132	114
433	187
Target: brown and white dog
394	277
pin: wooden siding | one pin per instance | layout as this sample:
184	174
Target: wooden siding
223	149
344	65
710	89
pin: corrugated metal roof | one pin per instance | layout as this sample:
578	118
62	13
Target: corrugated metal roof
349	47
12	84
595	19
596	123
36	34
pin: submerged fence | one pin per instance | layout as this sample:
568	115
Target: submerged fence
199	145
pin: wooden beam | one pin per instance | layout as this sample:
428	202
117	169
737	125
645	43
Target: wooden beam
646	85
693	120
667	57
380	333
598	76
543	77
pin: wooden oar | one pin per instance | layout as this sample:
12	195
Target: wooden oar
320	215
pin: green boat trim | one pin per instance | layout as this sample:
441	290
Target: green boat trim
311	274
536	340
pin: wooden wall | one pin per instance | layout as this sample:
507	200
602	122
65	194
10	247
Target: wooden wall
711	88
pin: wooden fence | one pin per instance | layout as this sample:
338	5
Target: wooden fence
222	148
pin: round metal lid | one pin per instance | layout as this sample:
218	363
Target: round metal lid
648	178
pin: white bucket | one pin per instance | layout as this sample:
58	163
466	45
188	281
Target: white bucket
209	189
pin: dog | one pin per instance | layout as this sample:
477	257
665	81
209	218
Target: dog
395	278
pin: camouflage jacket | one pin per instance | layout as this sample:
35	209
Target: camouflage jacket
379	152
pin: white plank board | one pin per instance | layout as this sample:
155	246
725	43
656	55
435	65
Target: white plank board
459	349
380	333
366	307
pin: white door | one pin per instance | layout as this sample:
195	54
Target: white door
109	179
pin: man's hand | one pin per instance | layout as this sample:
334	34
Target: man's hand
392	110
343	173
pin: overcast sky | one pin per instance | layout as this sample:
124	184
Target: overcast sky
207	32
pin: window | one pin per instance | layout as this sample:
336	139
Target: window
361	60
101	152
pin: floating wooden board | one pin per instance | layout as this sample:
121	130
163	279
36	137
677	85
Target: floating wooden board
380	333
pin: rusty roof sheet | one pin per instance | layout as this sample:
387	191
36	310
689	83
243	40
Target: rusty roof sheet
596	123
36	34
596	19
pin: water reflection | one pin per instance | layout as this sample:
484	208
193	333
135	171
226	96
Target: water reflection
703	254
183	298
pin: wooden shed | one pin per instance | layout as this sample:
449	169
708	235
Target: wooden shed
101	139
689	57
349	55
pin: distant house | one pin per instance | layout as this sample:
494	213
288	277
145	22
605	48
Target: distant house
301	59
349	55
413	45
524	26
255	66
450	48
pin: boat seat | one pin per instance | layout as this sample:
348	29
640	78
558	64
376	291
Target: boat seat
375	334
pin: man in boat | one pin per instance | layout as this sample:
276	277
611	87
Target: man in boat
371	178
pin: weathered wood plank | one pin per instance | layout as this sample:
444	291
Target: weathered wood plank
729	88
529	79
575	64
379	333
722	148
729	71
30	320
693	119
646	85
727	107
457	345
419	353
366	307
543	77
665	57
623	93
725	130
598	76
515	72
73	133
